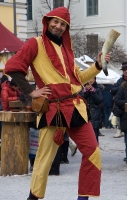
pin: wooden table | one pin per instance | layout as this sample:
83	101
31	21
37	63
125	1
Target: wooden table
15	142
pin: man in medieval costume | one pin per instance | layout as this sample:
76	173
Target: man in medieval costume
51	59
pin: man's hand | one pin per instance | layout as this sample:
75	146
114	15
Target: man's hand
107	58
41	92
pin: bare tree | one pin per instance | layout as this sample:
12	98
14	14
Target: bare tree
35	26
71	2
82	46
79	44
118	53
47	4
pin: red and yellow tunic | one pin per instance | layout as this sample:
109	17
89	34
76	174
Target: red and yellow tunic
63	81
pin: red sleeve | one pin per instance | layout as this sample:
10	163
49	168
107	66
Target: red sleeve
18	93
12	98
4	99
23	58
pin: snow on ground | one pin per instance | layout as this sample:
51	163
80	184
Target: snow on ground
64	187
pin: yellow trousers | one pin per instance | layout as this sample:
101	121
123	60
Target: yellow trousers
46	152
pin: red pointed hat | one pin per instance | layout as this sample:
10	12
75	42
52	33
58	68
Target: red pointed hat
63	14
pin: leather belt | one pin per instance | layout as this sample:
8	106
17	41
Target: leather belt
64	98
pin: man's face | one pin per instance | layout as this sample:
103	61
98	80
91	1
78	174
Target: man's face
57	26
125	72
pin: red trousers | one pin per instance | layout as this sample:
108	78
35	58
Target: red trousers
90	170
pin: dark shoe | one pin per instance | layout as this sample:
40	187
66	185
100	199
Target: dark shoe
82	198
125	159
51	173
108	127
65	161
31	168
100	134
30	199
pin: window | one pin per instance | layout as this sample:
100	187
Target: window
92	7
58	3
92	43
29	9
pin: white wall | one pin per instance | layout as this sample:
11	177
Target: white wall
112	15
20	1
21	19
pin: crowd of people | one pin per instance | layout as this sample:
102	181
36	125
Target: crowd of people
82	106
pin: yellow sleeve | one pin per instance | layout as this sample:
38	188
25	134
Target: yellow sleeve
87	74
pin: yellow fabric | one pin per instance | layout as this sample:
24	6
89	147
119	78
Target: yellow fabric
59	52
81	107
38	118
45	69
95	158
87	74
45	155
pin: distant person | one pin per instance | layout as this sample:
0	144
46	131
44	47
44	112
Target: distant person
55	167
64	150
2	80
92	93
72	146
120	100
107	104
9	92
33	141
114	90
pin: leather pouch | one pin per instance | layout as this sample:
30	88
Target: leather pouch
40	105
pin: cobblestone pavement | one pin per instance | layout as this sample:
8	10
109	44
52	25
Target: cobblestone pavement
64	187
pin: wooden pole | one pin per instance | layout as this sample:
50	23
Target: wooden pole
15	142
14	148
